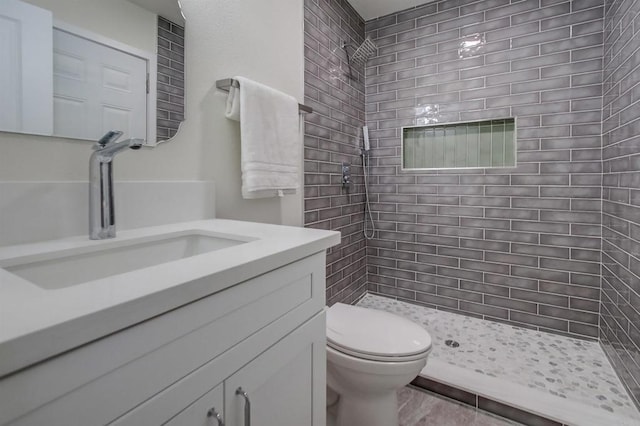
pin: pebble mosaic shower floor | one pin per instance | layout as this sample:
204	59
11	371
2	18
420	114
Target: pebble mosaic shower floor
568	368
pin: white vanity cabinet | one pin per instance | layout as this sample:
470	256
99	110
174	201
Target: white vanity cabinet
265	335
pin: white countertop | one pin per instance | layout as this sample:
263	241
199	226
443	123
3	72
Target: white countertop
37	323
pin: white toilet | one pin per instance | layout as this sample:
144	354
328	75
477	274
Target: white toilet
370	355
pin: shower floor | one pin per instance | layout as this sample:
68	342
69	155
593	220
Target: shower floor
561	378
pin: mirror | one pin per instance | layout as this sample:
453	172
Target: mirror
78	68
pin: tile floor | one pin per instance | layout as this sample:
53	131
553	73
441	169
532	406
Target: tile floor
567	368
418	408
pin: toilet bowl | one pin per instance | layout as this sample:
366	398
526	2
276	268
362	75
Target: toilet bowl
370	355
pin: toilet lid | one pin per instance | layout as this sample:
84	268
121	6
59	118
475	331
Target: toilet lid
374	334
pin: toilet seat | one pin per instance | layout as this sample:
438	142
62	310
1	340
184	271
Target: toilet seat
375	335
379	358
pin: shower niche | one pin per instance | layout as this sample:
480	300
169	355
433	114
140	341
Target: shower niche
471	144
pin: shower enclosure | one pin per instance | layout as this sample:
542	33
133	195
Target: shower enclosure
551	244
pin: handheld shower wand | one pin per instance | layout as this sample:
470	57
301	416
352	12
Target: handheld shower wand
365	134
368	216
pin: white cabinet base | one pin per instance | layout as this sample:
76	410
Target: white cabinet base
266	335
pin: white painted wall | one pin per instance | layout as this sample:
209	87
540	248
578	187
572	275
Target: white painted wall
260	40
36	211
257	39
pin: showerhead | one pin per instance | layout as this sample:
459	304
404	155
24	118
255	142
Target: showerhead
365	51
360	56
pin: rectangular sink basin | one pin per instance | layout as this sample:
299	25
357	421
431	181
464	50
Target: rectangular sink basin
113	257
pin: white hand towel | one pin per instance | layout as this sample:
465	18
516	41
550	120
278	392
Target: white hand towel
270	140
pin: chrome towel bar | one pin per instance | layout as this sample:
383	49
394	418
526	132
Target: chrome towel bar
226	83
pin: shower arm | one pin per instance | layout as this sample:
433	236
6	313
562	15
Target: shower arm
346	52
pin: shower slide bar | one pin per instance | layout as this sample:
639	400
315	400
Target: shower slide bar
226	83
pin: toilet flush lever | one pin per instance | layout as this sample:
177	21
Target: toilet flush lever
247	406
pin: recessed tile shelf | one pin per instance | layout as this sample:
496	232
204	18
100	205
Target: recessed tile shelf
475	144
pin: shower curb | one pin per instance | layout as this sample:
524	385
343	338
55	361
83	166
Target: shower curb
510	400
482	403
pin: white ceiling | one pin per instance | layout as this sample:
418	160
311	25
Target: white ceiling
371	9
368	9
166	8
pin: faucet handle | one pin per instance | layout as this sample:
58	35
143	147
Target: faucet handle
110	137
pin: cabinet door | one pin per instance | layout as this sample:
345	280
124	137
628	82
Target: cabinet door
203	412
285	385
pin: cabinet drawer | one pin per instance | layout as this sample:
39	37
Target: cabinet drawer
99	382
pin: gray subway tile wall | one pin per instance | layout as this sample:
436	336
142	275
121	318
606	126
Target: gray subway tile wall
333	136
518	245
620	300
170	90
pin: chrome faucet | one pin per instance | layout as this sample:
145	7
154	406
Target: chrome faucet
102	220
